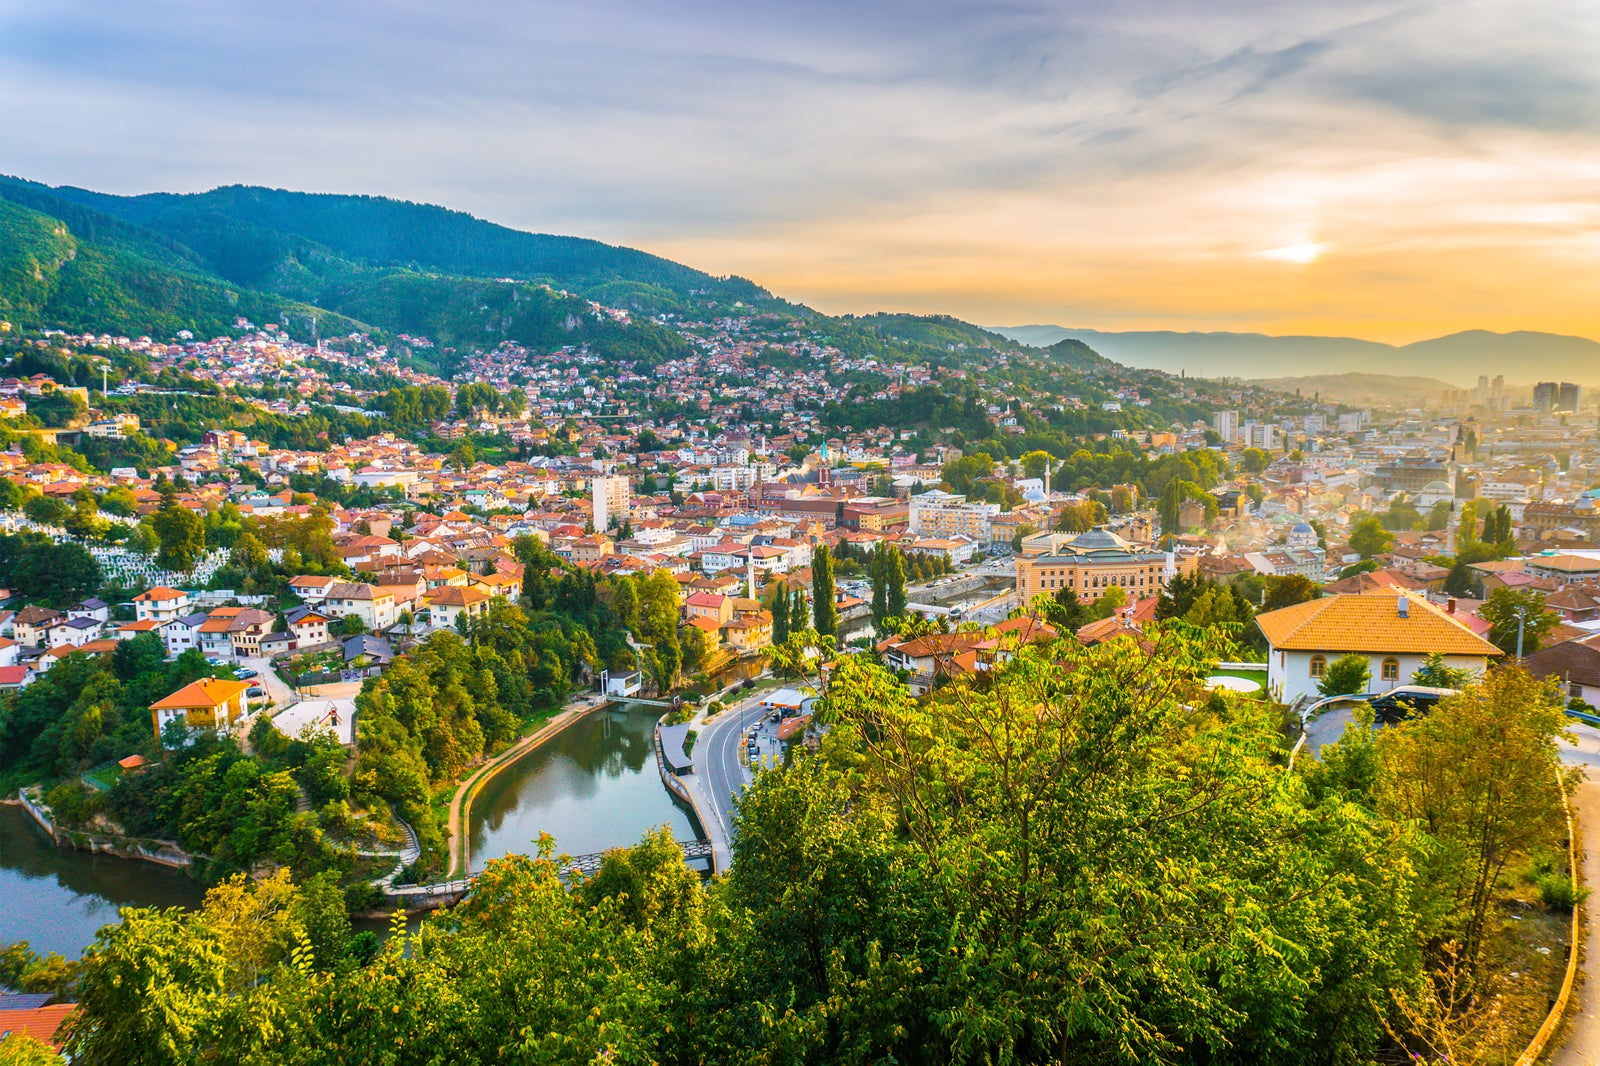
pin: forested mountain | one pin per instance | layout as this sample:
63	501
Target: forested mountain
246	234
73	268
66	263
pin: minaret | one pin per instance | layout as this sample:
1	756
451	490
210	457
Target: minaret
750	569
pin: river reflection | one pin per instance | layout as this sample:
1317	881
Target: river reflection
593	786
56	898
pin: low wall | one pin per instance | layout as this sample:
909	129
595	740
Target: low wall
161	852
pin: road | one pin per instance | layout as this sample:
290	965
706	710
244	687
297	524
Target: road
268	679
719	777
1579	1038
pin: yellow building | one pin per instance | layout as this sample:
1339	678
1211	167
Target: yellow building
1094	561
210	703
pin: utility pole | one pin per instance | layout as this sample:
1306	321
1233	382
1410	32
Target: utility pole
1522	622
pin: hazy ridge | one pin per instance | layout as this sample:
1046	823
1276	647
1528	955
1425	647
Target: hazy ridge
1458	359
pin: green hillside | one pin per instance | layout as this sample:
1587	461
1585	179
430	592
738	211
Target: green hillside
89	272
244	233
69	265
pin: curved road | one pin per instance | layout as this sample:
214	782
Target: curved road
719	777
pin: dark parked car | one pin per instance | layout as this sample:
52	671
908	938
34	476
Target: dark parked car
244	673
1406	701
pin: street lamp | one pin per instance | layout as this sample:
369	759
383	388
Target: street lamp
1522	622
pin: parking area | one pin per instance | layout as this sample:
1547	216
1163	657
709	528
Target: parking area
761	744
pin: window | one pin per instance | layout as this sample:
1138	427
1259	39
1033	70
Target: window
1391	670
1319	666
1575	691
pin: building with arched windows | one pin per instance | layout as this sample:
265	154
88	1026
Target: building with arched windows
1392	629
1093	561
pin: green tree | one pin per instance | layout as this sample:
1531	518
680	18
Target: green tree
1254	460
1369	538
780	615
824	611
181	536
1036	464
880	585
248	554
1507	611
1437	673
895	582
1289	590
1346	675
1461	581
1482	773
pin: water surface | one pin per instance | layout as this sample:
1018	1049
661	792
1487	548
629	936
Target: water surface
56	898
593	786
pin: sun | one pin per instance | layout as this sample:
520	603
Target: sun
1301	252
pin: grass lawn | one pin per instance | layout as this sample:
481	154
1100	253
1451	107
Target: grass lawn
103	777
1258	676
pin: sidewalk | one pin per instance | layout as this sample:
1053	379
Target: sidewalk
1580	1035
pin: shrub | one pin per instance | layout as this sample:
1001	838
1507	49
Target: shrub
1558	892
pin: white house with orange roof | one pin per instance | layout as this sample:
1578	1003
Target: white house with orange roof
209	703
449	603
160	604
1393	630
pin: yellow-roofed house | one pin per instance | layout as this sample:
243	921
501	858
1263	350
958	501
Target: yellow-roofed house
209	703
1395	630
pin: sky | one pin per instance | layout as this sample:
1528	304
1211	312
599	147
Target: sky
1388	170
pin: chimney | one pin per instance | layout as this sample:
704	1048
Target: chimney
1404	603
1450	605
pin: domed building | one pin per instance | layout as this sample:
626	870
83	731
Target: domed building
1434	492
1301	536
1094	561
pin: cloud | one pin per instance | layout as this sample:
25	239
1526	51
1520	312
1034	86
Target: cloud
789	139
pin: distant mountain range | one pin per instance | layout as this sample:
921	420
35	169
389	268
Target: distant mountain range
1392	391
1523	357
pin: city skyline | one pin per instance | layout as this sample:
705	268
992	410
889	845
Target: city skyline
1386	171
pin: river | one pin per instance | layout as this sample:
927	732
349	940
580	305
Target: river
56	898
593	786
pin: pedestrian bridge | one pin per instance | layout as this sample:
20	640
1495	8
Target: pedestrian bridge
446	893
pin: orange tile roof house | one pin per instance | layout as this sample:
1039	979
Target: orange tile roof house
209	703
1393	629
41	1023
160	604
448	603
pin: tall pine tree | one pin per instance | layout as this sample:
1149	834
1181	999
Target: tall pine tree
895	582
824	612
880	584
780	616
799	611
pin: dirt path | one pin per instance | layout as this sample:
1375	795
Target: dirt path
461	802
1579	1039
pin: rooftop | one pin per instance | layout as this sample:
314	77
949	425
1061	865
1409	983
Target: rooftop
1378	622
